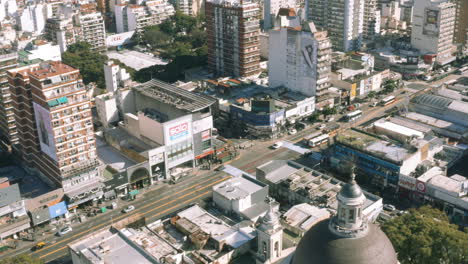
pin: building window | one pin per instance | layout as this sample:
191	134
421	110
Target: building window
206	144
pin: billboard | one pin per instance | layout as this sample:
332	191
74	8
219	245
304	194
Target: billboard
431	22
177	130
407	182
206	135
58	209
119	39
421	186
45	131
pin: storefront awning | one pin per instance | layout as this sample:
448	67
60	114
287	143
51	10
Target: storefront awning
134	192
204	154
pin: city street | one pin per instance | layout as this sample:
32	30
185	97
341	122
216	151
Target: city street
163	200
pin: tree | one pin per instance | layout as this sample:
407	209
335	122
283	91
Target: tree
390	86
314	117
89	62
329	111
22	259
371	94
155	37
425	235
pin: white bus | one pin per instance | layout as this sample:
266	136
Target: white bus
462	70
316	141
387	100
353	116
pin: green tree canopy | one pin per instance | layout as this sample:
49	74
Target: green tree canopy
390	86
22	259
155	37
426	236
89	62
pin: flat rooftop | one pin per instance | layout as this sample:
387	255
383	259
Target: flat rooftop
373	145
447	183
175	96
217	228
438	123
399	129
237	188
51	69
108	246
112	157
134	59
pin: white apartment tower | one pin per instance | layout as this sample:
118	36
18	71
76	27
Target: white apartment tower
371	23
270	11
300	60
137	17
114	76
32	19
190	7
92	29
343	19
433	28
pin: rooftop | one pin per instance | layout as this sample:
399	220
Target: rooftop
403	130
175	96
112	157
51	69
448	183
108	246
217	228
375	146
238	187
304	216
9	195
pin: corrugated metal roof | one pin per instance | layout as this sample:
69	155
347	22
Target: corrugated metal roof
9	195
178	97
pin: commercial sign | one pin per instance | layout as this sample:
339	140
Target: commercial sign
58	210
407	182
178	131
44	131
206	135
119	39
421	186
431	21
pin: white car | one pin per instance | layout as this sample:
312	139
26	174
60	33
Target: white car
65	231
389	207
292	131
277	145
321	126
128	209
374	104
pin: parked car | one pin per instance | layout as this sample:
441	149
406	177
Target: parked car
389	207
374	104
277	145
321	126
292	131
39	246
128	209
65	231
351	108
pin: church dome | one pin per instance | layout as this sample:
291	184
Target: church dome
346	238
321	246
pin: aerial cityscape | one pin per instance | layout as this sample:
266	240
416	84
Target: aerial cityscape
234	131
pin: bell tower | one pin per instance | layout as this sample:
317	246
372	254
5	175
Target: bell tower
269	237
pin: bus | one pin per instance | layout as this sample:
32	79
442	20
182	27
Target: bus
316	141
353	116
387	100
462	70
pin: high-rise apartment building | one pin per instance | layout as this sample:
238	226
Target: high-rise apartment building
190	7
371	23
60	30
8	134
271	9
233	37
32	18
343	19
137	17
461	24
92	29
433	29
300	60
56	137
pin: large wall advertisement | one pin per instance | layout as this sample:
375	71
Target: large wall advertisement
119	39
178	130
45	131
202	124
431	22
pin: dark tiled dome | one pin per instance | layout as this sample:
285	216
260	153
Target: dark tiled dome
351	190
321	246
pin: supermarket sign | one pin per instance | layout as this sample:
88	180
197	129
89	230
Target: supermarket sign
179	131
